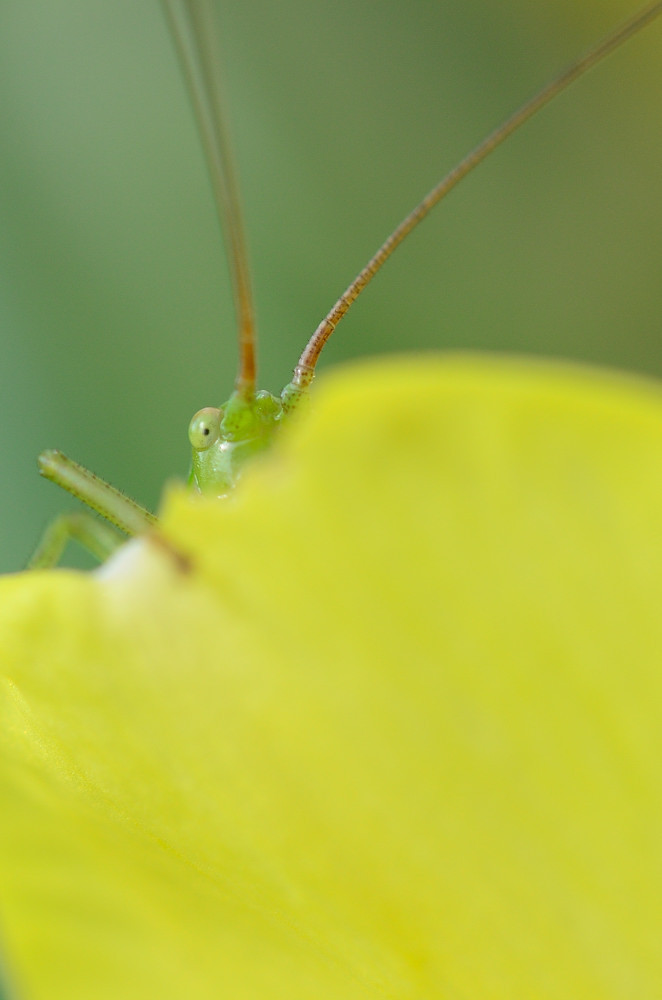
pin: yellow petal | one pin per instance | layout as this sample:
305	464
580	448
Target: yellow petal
391	728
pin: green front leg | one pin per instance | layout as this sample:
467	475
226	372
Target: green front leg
98	538
111	503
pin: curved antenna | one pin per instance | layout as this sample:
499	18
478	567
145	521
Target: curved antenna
305	369
193	28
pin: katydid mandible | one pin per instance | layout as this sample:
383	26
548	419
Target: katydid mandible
223	439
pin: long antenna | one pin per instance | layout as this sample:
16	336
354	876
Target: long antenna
304	371
193	28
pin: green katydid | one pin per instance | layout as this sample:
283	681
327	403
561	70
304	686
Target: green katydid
222	439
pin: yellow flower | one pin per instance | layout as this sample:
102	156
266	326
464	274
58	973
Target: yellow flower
392	727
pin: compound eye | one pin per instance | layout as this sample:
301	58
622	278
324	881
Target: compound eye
204	429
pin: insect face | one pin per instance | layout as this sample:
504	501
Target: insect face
224	439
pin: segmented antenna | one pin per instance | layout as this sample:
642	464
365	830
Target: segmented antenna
193	28
304	371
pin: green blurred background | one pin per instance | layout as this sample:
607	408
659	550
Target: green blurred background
115	316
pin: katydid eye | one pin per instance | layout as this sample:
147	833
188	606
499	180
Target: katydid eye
204	428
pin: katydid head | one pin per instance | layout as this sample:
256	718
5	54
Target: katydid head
223	438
